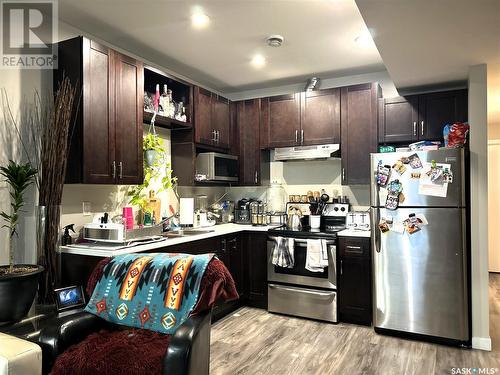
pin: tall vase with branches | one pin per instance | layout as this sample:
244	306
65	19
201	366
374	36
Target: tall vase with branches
46	144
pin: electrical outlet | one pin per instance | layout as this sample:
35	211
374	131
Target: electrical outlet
86	208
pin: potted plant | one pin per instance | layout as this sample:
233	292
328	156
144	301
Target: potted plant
153	148
18	283
156	171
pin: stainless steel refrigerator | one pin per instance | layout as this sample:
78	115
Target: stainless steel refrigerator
421	279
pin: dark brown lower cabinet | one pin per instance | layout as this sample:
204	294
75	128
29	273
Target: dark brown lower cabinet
256	268
244	254
354	280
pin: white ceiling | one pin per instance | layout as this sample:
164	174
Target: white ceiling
319	38
427	42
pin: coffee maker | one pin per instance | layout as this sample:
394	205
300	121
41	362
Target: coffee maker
242	212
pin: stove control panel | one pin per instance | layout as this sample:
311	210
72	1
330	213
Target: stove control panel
336	209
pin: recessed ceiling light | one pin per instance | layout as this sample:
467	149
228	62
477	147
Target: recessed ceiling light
258	61
199	20
364	39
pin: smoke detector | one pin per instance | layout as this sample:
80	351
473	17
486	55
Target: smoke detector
275	40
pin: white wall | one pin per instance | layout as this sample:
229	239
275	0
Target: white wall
493	204
479	205
493	165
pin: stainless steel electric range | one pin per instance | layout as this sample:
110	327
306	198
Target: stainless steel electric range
296	290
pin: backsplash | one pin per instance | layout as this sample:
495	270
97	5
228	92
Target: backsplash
107	198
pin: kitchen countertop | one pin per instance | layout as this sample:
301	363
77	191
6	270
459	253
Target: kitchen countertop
218	230
354	233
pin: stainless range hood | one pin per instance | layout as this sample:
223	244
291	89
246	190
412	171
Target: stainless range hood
307	152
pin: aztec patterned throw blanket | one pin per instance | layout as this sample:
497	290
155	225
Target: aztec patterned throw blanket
151	291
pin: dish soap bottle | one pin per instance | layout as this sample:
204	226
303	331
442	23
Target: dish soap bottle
66	238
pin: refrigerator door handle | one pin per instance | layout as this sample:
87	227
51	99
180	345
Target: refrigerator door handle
376	231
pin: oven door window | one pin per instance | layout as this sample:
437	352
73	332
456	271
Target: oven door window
299	268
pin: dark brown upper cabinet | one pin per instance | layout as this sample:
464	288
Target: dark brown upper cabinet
211	119
284	120
307	118
420	117
106	140
221	121
359	112
320	117
398	119
248	128
435	110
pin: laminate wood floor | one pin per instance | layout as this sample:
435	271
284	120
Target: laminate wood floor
253	341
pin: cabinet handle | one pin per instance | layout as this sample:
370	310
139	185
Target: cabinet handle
422	129
302	136
341	267
353	247
343	174
114	168
414	128
218	136
296	136
214	136
256	176
120	169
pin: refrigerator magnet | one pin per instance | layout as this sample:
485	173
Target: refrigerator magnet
399	167
405	160
392	201
422	220
447	175
415	175
401	197
383	226
411	224
394	189
383	174
415	161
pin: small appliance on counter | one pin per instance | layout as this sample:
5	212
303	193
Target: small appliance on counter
242	212
359	221
116	233
101	230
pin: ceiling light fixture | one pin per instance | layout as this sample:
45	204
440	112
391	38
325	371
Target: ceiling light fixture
199	20
258	61
275	40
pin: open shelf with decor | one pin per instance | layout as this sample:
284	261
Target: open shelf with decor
175	95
